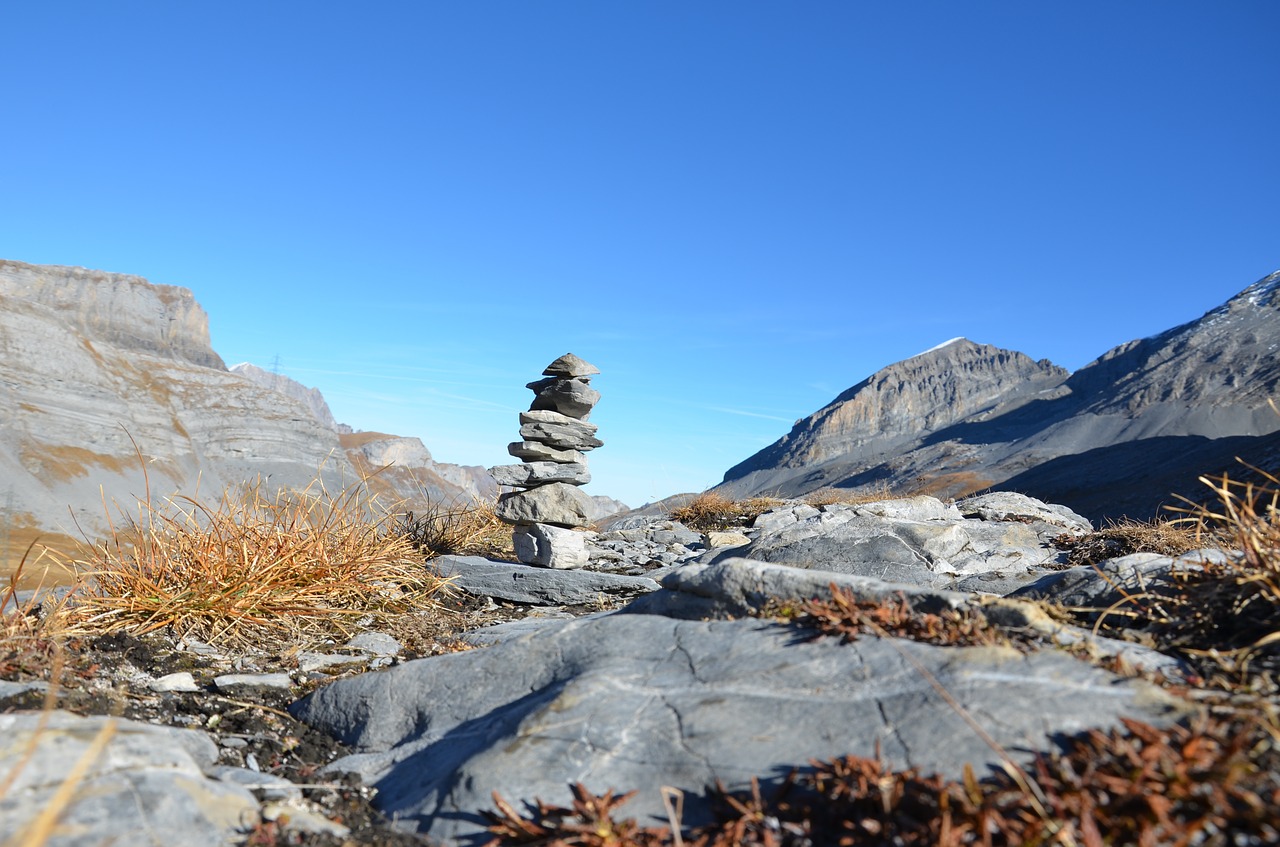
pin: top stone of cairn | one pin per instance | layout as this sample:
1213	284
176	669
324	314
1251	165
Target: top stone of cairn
570	366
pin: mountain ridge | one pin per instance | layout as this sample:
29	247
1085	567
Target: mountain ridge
1209	378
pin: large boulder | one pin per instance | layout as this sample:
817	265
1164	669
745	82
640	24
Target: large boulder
643	701
918	540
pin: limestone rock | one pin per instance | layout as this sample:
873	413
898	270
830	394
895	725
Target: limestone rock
570	366
146	787
642	701
536	586
549	546
572	397
535	451
533	474
561	437
556	503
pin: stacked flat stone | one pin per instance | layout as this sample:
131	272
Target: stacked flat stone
555	437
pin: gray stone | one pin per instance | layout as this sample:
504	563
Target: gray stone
1105	584
146	787
639	701
533	474
536	586
181	681
550	546
375	644
734	587
560	436
1006	506
555	503
570	365
232	682
308	661
572	397
535	451
294	818
919	540
270	787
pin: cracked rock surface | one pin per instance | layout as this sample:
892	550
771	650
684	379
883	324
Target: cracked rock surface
643	701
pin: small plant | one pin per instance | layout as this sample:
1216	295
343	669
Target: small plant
711	510
1213	782
848	616
462	529
1168	538
589	822
252	566
849	496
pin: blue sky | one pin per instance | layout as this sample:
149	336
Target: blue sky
735	209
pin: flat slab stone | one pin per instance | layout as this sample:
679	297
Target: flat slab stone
641	701
536	586
531	474
536	451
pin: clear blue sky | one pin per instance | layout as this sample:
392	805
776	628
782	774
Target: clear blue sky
735	209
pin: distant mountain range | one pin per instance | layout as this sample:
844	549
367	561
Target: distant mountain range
1122	436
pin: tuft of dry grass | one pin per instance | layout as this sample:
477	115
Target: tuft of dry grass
252	566
461	529
1168	538
711	510
849	496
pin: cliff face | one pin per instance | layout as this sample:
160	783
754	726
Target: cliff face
109	388
1117	438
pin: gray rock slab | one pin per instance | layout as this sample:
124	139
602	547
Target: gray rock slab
736	586
1006	505
536	451
529	474
536	586
919	540
570	365
561	436
146	787
232	682
1104	584
556	503
641	701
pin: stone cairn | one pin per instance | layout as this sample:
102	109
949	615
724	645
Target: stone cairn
555	436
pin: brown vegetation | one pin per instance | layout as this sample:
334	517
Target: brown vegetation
251	566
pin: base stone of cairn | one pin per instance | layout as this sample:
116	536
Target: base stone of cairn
554	436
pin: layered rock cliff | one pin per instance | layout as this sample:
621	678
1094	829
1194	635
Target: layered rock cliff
111	393
1120	437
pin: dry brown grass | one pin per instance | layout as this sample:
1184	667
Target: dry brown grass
1168	538
711	510
461	529
252	566
849	496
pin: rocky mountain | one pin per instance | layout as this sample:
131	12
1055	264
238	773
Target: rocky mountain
309	397
111	390
1120	437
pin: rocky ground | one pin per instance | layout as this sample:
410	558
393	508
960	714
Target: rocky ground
673	655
